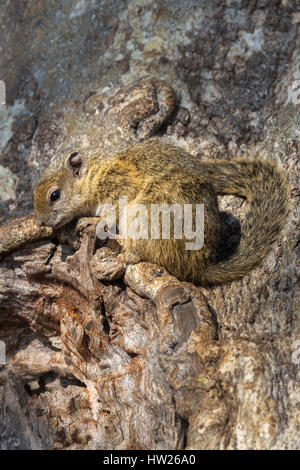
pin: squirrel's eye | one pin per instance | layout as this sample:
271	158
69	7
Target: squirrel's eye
54	195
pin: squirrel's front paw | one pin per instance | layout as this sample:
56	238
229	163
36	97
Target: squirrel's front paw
68	235
84	222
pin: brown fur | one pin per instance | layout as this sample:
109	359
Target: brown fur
155	173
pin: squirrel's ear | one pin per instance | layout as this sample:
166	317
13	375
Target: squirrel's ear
77	164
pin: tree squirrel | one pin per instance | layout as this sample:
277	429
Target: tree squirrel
153	172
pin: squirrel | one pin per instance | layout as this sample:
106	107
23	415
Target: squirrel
154	172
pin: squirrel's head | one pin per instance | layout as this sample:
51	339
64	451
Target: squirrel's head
57	197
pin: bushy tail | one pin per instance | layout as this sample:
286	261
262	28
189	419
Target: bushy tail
266	189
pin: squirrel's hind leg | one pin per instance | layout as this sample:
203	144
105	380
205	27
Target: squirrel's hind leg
127	256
